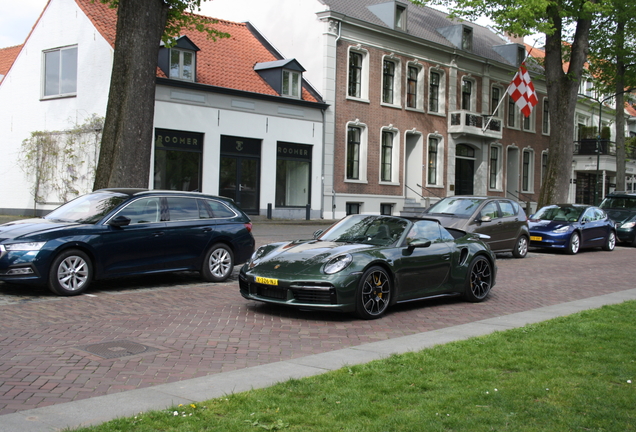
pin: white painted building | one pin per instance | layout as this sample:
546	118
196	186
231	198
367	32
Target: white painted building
236	120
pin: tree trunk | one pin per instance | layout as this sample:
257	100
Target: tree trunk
562	95
620	107
124	159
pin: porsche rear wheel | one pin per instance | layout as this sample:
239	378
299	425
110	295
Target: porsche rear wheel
480	279
373	294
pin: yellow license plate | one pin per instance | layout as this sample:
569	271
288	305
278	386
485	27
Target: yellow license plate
536	238
266	281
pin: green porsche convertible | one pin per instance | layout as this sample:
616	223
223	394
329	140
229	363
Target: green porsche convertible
366	263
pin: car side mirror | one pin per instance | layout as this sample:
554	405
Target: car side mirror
119	221
484	219
318	232
418	244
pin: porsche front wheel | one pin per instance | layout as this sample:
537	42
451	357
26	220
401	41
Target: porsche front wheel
373	294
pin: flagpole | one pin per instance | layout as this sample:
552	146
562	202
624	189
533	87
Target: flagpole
506	92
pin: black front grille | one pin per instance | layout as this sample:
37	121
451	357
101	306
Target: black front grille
271	292
314	296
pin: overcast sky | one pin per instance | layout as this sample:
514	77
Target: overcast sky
18	16
17	19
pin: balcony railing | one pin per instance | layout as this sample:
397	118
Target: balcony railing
589	147
464	122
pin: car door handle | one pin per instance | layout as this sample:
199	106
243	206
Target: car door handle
446	257
158	234
207	229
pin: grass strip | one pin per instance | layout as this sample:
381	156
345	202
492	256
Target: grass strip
574	373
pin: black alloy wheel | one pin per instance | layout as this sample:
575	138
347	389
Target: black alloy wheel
373	294
479	280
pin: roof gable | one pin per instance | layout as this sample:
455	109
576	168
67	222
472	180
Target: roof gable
227	62
7	57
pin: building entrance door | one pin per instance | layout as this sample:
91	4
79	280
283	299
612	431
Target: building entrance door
240	172
464	170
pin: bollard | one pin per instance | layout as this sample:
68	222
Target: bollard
307	211
269	210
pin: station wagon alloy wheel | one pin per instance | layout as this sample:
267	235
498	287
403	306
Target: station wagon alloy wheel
71	273
219	263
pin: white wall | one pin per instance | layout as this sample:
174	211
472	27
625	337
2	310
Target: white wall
22	111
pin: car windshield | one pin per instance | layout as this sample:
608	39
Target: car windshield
619	202
87	209
559	213
373	230
463	207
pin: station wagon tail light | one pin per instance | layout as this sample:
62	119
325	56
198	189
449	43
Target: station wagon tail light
248	226
338	263
31	246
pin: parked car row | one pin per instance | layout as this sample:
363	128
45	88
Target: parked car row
362	264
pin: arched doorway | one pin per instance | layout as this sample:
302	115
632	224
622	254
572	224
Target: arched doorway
464	169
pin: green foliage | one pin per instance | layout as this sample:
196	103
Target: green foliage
61	163
182	15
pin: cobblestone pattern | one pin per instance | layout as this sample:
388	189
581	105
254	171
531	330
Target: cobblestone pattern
199	328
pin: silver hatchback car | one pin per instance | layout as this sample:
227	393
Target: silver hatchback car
502	219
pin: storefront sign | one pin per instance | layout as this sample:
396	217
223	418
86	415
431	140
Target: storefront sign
293	151
178	140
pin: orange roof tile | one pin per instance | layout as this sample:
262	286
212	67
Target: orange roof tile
227	63
7	57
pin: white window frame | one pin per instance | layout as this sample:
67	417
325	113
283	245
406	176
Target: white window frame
182	53
397	81
532	122
530	152
294	86
502	96
499	168
545	113
419	87
395	155
439	168
364	74
363	155
441	93
61	76
473	94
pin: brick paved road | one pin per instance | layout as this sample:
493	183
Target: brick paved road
196	329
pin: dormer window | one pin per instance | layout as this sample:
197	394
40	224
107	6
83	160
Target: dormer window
467	39
400	17
179	61
284	76
182	64
291	84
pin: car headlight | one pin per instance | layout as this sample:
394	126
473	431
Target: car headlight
338	263
562	230
256	256
628	225
31	246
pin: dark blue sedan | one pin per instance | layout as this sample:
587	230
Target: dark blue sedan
122	232
572	227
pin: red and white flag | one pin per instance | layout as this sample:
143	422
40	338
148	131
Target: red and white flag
521	90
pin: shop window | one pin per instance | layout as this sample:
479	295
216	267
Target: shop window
293	175
177	160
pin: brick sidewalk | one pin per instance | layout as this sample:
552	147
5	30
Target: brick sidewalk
193	329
